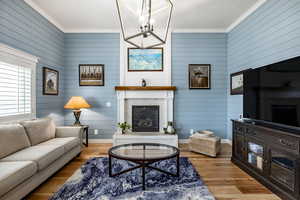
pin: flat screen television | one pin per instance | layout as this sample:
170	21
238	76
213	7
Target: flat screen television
272	93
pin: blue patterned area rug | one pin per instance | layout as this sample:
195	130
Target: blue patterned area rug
92	182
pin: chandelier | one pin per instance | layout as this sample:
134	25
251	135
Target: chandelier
145	23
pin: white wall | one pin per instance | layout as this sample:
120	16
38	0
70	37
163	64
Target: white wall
152	78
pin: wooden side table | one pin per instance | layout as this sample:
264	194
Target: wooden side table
209	146
86	131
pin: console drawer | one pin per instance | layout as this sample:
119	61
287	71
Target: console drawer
278	138
283	176
287	143
255	132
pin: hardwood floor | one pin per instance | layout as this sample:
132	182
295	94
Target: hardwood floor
225	180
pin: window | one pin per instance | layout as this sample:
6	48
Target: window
17	84
15	90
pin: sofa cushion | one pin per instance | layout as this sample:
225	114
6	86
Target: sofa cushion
68	143
42	155
39	130
14	173
12	139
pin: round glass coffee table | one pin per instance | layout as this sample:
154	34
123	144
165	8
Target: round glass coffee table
143	154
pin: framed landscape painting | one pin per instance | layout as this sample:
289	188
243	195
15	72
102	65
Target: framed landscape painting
199	76
145	59
50	81
237	83
91	75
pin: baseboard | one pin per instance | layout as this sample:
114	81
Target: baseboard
181	141
224	141
94	141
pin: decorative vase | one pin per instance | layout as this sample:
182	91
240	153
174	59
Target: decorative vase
123	131
144	84
170	128
165	130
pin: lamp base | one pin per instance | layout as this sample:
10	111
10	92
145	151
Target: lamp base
77	114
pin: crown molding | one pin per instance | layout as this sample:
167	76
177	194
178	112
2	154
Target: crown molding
198	31
44	14
245	15
119	31
92	31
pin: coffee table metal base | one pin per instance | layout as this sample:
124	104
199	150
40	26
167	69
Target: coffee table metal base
143	165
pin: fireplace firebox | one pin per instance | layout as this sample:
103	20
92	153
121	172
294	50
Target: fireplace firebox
145	118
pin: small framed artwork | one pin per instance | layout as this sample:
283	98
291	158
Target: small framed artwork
237	83
199	76
141	60
50	81
91	75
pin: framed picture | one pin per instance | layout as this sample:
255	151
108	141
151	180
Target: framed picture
50	81
91	75
199	76
237	83
145	59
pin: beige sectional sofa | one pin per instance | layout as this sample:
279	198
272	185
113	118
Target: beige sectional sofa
32	151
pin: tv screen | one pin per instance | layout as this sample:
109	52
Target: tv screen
272	93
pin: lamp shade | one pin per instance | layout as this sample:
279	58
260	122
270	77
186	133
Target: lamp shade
76	103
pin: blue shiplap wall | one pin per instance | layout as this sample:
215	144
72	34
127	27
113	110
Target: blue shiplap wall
98	48
200	109
269	35
23	28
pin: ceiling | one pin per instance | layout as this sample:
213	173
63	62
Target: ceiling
189	15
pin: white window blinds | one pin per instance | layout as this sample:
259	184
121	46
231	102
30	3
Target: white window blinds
17	84
15	90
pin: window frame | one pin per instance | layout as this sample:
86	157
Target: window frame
17	57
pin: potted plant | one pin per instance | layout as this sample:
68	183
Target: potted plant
124	127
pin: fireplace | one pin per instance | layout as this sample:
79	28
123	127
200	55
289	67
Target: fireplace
145	118
161	99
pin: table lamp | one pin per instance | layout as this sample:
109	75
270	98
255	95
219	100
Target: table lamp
76	103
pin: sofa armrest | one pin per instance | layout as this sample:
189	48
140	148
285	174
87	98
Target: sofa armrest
69	131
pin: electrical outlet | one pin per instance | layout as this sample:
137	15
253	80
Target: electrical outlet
96	131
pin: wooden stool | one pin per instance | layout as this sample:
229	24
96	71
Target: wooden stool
210	146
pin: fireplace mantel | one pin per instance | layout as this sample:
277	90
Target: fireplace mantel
124	88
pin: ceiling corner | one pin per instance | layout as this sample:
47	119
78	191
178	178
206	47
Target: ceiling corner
245	15
44	14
